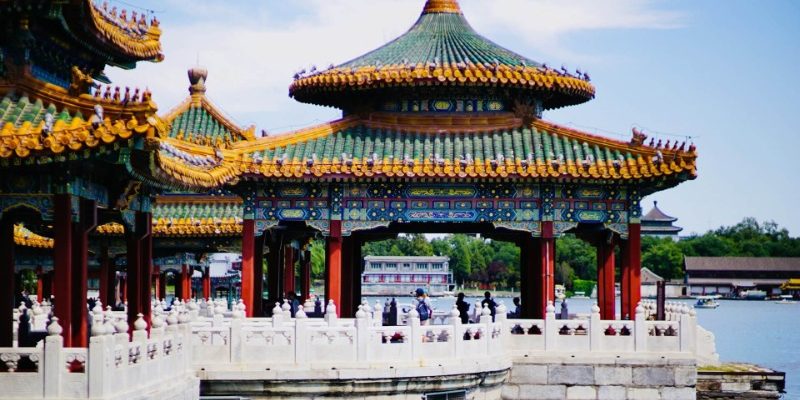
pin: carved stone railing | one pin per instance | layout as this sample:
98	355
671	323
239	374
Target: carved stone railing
286	341
116	365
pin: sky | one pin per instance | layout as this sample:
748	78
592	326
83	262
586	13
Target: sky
719	73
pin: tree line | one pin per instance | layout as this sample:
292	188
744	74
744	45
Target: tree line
482	263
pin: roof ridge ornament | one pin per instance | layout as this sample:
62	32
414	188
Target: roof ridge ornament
197	79
442	6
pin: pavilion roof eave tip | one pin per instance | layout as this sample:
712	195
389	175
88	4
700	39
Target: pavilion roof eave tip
442	7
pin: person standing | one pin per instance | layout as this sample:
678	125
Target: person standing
424	308
463	308
488	301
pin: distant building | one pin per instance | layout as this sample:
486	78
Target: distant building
399	276
730	276
650	279
657	223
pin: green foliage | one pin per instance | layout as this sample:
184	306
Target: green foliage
317	259
583	285
663	256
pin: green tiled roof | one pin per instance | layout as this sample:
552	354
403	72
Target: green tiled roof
440	38
21	110
196	122
527	144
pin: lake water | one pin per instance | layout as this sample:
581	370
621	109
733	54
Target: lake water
757	332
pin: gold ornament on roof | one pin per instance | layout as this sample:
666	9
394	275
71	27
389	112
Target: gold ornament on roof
442	6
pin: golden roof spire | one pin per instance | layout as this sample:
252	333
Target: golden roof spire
442	6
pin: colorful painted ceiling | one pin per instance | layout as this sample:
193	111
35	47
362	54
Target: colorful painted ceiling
441	50
197	120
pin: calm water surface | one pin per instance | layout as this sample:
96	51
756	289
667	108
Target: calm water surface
758	332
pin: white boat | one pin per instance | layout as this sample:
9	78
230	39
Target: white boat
754	294
706	302
786	299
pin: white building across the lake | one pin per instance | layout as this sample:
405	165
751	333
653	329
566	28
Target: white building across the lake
399	276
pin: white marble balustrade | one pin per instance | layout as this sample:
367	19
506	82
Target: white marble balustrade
114	366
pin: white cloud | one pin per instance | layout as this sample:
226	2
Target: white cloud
252	52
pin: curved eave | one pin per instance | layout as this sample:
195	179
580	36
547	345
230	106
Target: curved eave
25	238
183	228
31	141
650	167
327	87
128	47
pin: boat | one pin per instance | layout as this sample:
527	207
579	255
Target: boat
706	302
754	294
786	299
579	295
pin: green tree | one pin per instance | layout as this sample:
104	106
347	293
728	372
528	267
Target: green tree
664	257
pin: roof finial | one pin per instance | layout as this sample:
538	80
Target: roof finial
442	7
197	79
655	203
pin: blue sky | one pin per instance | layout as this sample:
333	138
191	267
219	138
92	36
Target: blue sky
722	72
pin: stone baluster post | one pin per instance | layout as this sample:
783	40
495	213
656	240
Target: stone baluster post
277	315
236	339
99	347
596	331
330	314
53	360
362	334
550	328
416	332
476	311
458	340
301	337
500	325
486	322
688	330
640	329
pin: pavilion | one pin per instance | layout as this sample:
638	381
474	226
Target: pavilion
441	131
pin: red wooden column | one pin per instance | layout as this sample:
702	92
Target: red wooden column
206	282
547	257
138	275
80	269
632	271
162	284
333	265
40	283
357	270
157	282
258	276
186	282
7	291
274	267
288	269
62	263
531	298
624	281
305	277
606	296
146	270
108	277
346	306
248	248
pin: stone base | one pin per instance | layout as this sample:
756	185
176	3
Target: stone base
481	381
606	377
739	381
